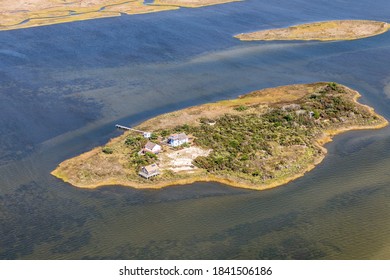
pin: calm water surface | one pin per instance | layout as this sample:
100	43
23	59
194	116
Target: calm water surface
63	87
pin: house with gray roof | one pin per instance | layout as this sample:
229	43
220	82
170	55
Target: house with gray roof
149	171
177	139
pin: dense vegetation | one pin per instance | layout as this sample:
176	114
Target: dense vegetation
135	144
254	145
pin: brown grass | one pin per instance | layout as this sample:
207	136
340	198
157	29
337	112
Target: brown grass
191	115
192	3
94	168
321	31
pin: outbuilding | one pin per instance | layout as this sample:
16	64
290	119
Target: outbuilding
152	148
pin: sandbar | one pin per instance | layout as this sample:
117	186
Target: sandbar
336	30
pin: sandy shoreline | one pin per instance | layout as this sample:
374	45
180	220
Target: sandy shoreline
234	182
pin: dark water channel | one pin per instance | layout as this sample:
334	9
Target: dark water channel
63	87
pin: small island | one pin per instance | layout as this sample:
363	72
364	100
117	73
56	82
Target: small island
258	141
336	30
192	3
31	13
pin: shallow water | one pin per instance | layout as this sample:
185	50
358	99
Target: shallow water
63	87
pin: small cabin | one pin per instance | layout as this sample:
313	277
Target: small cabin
152	148
147	134
176	140
149	171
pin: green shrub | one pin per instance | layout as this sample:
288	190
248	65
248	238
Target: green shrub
244	157
150	155
333	85
130	140
185	145
241	108
234	143
154	136
288	117
107	150
316	114
165	133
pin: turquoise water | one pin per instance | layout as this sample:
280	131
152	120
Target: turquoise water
63	87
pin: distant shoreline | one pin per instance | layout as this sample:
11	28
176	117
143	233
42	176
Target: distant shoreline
336	30
64	170
34	13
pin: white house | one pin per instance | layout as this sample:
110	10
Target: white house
149	171
152	148
147	134
176	140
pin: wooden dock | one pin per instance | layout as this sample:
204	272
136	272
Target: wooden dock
146	134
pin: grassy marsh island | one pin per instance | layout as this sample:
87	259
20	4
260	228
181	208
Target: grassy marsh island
30	13
192	3
260	140
336	30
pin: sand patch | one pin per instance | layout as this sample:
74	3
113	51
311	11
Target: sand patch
181	160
